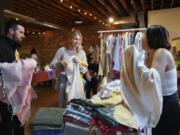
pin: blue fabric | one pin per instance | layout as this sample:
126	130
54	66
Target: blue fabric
47	132
51	74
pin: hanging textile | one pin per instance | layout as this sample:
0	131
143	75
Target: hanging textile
111	49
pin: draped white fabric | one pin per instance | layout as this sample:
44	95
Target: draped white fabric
141	89
74	87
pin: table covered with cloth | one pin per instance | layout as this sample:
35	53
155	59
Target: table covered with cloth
42	76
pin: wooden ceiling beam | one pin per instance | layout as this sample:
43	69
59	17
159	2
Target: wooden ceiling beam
54	16
118	8
66	9
46	8
142	5
133	3
86	6
99	7
162	2
125	6
59	22
60	11
36	13
152	4
109	8
81	13
172	3
63	11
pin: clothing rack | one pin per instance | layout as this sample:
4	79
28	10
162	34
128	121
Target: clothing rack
123	30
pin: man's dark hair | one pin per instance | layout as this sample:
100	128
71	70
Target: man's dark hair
12	24
158	37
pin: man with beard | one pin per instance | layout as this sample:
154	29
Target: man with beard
9	45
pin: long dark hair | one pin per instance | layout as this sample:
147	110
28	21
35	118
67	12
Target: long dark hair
158	37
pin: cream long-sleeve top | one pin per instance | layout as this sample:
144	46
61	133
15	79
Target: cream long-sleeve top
62	53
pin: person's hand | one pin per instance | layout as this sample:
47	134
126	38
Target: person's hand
62	62
76	59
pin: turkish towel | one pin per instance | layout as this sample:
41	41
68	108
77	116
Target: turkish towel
74	87
121	112
72	129
48	117
17	78
141	89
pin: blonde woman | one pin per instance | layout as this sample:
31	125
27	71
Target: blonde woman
67	61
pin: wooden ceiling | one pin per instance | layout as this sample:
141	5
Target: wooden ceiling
64	13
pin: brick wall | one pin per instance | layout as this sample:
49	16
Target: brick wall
47	44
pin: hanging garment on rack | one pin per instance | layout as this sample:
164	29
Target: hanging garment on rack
110	44
126	40
102	58
117	54
114	46
138	41
104	66
141	89
108	57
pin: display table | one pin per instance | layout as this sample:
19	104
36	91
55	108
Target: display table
42	76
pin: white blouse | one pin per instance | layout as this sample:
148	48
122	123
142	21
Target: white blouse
169	82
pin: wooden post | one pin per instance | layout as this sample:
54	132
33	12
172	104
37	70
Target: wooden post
2	20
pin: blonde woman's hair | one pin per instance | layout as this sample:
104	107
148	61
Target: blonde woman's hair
73	33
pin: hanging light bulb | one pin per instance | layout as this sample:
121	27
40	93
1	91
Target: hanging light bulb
111	19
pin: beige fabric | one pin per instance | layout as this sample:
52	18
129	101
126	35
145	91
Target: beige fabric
122	113
110	95
115	99
124	116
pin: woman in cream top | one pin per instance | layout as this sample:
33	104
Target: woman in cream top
156	43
